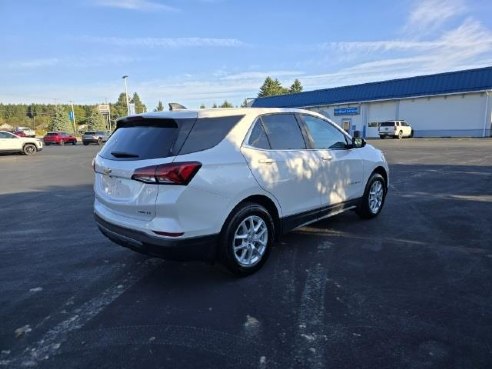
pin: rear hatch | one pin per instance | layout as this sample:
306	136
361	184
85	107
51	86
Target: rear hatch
88	136
388	127
52	137
137	143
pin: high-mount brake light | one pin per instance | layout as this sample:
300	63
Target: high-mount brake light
172	173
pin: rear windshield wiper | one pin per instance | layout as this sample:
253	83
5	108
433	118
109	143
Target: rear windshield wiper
120	154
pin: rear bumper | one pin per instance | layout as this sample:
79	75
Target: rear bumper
198	248
91	140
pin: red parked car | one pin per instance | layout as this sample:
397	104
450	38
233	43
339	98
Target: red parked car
59	138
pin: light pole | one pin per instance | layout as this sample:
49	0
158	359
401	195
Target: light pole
126	94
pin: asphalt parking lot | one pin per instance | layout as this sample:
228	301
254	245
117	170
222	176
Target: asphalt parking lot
409	289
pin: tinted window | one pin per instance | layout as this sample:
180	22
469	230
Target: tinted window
6	135
387	124
89	133
283	132
324	135
145	139
208	132
258	137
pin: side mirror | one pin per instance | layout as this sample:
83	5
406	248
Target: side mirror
357	141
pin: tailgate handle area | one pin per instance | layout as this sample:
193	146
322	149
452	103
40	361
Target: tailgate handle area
266	161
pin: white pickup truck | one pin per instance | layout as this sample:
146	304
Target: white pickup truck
395	129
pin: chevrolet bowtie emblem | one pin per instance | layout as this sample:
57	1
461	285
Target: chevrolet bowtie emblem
107	171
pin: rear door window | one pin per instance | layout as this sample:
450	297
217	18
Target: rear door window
283	132
208	132
258	137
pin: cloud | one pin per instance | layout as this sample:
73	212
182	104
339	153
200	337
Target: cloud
34	63
154	42
470	34
73	62
429	15
467	46
141	5
260	75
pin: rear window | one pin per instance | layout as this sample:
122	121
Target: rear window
53	133
140	140
89	133
160	138
387	124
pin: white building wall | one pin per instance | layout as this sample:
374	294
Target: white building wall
379	112
462	115
453	115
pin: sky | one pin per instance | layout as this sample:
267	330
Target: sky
198	52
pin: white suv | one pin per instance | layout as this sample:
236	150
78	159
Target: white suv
395	129
224	183
25	145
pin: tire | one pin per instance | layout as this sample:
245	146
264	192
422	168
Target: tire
372	201
382	137
74	142
29	149
246	239
400	135
411	133
86	143
99	141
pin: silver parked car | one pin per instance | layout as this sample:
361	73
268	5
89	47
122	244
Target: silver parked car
96	137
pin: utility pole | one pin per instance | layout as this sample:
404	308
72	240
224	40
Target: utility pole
126	93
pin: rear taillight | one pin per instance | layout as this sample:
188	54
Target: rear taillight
173	173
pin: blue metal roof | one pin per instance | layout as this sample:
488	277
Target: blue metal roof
435	84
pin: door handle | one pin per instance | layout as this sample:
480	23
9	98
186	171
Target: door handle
266	161
327	157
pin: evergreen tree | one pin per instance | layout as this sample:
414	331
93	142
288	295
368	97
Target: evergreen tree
119	109
296	87
95	121
214	106
159	107
59	121
139	106
202	106
245	103
226	104
272	88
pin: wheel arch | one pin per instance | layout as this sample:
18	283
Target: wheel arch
382	171
268	204
29	143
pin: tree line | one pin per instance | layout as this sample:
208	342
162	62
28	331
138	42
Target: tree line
58	117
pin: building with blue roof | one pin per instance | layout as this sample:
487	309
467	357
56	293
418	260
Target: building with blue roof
453	104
